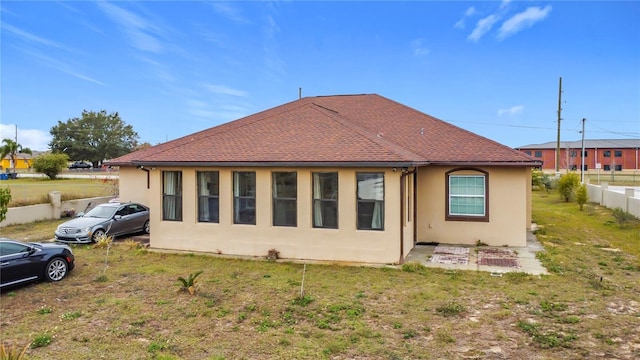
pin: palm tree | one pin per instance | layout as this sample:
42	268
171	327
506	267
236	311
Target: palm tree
12	149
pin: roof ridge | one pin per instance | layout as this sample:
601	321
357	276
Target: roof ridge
368	134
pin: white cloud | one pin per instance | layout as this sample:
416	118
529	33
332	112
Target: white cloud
33	139
418	47
62	66
224	90
504	4
229	11
33	38
514	110
461	23
483	26
523	20
142	33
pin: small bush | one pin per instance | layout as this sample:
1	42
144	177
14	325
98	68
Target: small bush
50	164
190	284
450	309
567	185
5	198
622	217
41	341
581	195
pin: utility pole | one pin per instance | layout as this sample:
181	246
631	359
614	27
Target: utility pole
559	118
582	154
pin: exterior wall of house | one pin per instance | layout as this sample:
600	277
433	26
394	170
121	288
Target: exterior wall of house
21	163
345	244
628	159
509	209
133	185
408	213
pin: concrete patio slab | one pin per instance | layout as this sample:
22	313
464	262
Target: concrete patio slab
497	260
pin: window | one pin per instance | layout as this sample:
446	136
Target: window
285	195
172	195
467	196
574	167
208	196
244	197
325	200
618	153
607	167
370	201
585	167
586	153
528	152
606	153
573	153
618	167
538	153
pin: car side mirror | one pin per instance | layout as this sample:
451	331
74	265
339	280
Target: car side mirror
117	217
80	214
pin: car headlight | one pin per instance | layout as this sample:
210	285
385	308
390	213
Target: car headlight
86	230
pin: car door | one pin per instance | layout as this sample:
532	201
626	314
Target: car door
18	263
138	215
120	221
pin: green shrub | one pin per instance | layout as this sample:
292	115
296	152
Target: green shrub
450	309
567	185
581	195
537	179
50	164
190	284
5	197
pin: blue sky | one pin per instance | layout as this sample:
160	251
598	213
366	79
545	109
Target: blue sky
171	68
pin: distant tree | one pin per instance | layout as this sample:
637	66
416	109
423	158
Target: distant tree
144	145
50	164
12	149
537	179
567	185
5	197
95	136
581	195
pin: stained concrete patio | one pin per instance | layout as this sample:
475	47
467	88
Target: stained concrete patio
497	260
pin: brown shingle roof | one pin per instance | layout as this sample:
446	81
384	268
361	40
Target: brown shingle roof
348	129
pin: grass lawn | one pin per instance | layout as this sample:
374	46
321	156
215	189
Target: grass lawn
126	303
29	191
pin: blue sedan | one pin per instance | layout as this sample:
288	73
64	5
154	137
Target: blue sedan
22	262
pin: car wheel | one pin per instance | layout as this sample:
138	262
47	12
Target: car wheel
147	227
97	235
56	269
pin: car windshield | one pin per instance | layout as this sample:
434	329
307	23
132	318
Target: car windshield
103	212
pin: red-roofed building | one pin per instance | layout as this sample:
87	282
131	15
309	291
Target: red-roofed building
356	178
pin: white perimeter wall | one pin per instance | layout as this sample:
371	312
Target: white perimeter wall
626	201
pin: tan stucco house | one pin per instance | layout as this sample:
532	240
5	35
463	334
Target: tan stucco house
354	178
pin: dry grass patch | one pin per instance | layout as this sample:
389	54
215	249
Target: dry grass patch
30	191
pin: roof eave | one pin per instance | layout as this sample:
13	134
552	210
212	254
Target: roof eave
488	163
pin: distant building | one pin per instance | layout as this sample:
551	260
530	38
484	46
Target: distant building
23	161
603	154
